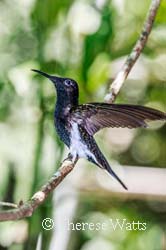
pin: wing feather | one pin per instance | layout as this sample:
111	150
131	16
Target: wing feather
95	116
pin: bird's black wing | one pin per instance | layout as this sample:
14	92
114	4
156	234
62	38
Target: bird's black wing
95	116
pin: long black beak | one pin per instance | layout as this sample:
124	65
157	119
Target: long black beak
42	73
55	79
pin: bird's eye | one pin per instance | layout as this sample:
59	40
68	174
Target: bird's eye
68	82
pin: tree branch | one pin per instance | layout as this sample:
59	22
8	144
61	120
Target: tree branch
135	53
8	204
26	209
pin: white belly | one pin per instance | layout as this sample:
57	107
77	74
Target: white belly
77	147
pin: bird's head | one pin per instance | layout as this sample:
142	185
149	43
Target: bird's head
67	89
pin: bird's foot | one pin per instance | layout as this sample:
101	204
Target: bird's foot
71	158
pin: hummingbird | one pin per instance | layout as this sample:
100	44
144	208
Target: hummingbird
77	123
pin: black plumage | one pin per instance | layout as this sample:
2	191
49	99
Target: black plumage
76	124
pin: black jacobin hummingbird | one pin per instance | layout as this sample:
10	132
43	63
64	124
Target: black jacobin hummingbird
76	124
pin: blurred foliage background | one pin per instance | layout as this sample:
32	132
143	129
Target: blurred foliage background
87	40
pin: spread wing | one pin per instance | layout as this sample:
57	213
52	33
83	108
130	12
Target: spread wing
95	116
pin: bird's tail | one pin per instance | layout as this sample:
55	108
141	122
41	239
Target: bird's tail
105	165
101	162
110	171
